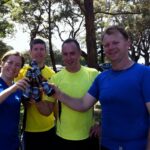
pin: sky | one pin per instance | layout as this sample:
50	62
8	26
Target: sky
19	41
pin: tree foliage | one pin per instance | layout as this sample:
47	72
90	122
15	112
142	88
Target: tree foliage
4	47
134	16
85	21
6	27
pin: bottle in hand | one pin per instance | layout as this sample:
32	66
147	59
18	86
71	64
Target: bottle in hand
27	92
47	88
36	92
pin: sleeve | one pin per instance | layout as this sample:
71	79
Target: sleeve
48	73
95	73
22	73
94	89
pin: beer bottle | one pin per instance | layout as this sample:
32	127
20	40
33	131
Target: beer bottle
41	80
48	90
29	75
36	92
33	64
27	92
35	67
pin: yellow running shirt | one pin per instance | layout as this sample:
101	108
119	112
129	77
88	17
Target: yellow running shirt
36	122
71	124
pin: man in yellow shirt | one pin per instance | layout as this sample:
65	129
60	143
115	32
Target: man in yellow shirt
73	127
39	129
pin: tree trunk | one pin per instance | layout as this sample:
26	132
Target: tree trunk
50	37
90	34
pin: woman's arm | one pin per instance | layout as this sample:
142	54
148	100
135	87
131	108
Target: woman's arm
45	107
21	84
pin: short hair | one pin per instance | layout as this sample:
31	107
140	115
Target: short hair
70	40
37	41
12	53
115	28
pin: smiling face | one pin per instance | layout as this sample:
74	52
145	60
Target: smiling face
71	56
38	52
11	67
116	46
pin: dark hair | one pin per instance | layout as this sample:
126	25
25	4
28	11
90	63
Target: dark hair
11	53
72	41
37	41
115	28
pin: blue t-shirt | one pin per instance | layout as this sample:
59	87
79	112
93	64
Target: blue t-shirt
122	96
9	119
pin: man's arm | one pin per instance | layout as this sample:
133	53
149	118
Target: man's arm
80	104
45	107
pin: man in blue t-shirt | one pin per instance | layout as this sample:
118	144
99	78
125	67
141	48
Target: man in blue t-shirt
124	94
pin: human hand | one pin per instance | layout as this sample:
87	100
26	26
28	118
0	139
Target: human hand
21	84
57	92
95	130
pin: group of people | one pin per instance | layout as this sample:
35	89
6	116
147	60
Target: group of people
65	120
48	123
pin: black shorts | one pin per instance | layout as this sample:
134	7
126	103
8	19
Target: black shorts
39	140
87	144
